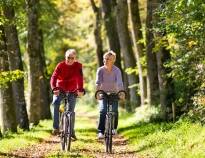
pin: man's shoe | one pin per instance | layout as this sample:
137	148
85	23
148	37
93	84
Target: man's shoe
55	132
100	136
114	132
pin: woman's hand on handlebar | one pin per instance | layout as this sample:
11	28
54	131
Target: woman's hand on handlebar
122	95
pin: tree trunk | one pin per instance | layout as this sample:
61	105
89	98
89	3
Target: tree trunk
138	46
97	32
15	62
7	106
111	29
126	47
152	78
35	69
44	88
164	81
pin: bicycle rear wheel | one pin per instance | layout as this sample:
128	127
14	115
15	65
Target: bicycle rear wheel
108	134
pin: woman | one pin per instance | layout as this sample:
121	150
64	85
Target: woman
108	79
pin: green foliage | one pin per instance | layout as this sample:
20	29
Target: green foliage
10	76
162	140
197	112
147	113
182	22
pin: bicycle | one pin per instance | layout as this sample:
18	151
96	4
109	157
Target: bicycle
66	119
110	116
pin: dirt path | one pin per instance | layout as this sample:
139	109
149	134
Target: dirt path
52	145
37	150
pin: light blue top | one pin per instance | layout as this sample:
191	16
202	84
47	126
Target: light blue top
109	81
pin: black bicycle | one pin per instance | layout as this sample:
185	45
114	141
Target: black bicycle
110	116
66	119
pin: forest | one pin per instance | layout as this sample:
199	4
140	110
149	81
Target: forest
160	50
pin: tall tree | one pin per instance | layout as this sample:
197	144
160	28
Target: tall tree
136	29
35	70
15	62
126	47
44	88
163	56
97	32
7	106
111	28
152	78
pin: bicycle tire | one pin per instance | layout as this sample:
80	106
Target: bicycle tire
62	128
69	131
108	134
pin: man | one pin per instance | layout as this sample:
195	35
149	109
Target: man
69	77
108	79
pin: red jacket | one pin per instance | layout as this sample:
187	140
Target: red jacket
67	77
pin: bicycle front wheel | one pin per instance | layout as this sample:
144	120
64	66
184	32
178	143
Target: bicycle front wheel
108	134
69	131
66	132
63	133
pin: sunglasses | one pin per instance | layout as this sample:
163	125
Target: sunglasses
70	58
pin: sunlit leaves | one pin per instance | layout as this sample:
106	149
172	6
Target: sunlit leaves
10	76
183	23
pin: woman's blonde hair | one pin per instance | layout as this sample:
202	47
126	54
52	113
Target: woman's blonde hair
110	53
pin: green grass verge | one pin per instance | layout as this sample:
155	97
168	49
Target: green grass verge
161	140
14	141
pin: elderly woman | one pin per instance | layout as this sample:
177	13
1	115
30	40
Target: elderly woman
108	79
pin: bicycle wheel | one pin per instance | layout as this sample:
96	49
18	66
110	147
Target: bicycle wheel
62	128
108	134
69	131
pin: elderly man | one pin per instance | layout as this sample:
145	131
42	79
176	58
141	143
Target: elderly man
69	77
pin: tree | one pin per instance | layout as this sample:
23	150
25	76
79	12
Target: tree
35	66
15	63
126	47
7	106
97	32
152	78
136	29
44	88
111	28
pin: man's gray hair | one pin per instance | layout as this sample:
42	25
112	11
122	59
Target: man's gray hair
70	51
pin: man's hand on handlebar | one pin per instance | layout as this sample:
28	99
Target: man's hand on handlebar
80	94
56	92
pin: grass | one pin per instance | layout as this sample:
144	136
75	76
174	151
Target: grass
162	140
14	141
182	139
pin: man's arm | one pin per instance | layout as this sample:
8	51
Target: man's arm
54	76
80	77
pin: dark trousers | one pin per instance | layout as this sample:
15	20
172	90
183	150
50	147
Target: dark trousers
103	111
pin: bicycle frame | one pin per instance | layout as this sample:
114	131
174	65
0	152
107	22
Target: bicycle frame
66	120
110	116
66	123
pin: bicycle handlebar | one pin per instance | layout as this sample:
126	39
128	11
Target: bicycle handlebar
100	94
63	93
